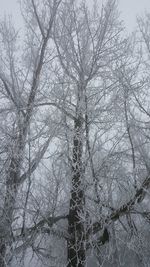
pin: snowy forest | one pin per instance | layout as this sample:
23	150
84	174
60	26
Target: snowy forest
74	137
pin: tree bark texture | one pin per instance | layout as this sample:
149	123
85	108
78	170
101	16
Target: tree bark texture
76	245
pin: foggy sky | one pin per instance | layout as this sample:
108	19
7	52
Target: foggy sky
129	9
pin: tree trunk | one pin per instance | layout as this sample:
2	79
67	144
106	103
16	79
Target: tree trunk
8	209
2	254
76	246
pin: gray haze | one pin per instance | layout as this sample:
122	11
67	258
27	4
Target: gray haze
128	8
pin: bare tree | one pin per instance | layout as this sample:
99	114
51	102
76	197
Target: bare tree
75	141
19	87
87	45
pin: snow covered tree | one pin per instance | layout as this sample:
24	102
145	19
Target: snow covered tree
19	81
75	140
88	45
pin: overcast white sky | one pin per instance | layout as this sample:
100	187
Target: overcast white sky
128	8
